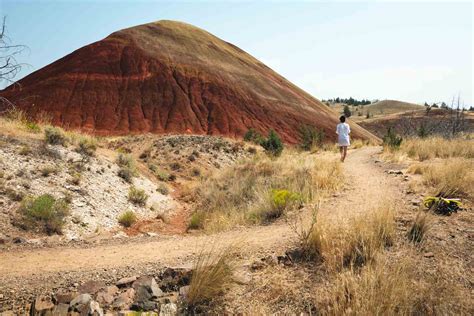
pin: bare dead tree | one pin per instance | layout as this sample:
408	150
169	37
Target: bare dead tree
9	65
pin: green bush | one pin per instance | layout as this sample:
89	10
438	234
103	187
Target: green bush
32	127
127	218
46	212
87	146
392	140
310	137
137	196
128	168
253	136
281	200
272	145
54	136
197	220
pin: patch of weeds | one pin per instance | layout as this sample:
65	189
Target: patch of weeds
175	166
46	171
127	218
137	196
196	172
45	212
54	136
87	146
25	150
128	168
197	220
14	195
163	189
75	178
420	226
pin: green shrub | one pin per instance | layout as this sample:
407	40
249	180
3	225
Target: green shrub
32	127
127	218
163	189
272	145
280	201
253	136
54	136
310	137
392	140
46	212
137	196
128	168
197	220
87	146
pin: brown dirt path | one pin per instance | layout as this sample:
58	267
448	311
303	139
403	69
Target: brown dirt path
365	182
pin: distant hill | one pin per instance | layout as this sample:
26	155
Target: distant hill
170	77
391	107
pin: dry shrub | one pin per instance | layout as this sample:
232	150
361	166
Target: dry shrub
437	147
420	226
390	288
452	178
351	243
55	136
86	145
242	194
212	272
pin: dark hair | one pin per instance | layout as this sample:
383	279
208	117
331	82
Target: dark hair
342	119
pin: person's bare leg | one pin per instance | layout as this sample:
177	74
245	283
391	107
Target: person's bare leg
344	153
341	150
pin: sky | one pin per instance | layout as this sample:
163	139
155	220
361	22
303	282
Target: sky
416	52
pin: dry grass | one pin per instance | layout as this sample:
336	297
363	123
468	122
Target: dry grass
438	147
212	272
420	227
353	242
389	288
450	178
244	193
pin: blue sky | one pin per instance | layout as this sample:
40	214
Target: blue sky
387	50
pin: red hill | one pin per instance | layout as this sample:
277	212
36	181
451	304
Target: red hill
169	77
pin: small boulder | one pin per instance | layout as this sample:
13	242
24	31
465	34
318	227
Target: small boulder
61	310
124	300
42	305
81	304
123	282
149	284
169	309
18	240
106	295
91	287
173	278
64	297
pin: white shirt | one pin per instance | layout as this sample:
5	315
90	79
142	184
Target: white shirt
343	130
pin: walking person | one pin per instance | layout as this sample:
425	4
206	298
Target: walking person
343	141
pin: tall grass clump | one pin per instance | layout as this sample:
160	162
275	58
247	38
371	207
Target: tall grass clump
258	190
127	218
212	272
438	147
451	178
419	227
44	212
86	146
54	136
128	167
349	243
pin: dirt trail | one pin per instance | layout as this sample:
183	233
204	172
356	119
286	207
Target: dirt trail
365	182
